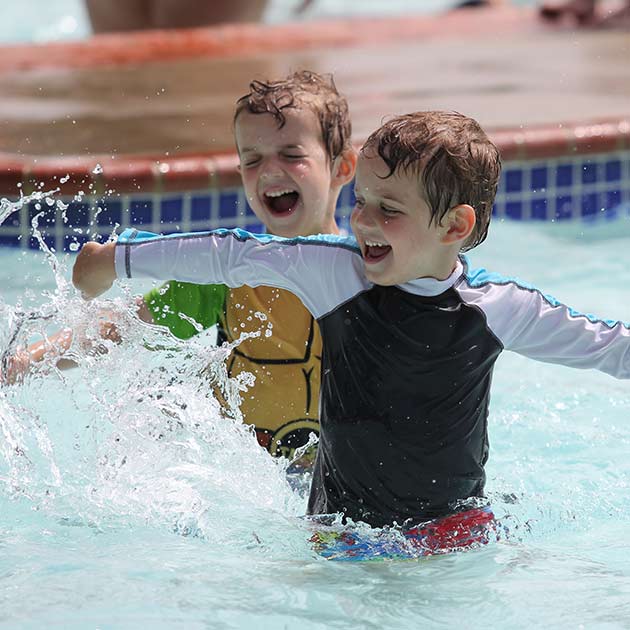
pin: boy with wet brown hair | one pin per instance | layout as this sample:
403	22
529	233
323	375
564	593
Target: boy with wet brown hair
410	331
293	141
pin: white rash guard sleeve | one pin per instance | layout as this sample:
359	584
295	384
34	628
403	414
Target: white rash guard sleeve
540	327
323	270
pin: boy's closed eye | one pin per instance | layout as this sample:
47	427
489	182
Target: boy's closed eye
292	152
387	210
250	161
390	212
294	156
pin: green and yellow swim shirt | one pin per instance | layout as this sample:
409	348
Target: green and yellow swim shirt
283	403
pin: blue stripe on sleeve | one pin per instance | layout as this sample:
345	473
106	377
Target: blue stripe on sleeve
131	235
479	277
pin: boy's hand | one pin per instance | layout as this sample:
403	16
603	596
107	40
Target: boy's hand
94	271
14	368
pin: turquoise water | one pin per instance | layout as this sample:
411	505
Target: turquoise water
127	500
39	21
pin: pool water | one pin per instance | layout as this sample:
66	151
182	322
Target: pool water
127	499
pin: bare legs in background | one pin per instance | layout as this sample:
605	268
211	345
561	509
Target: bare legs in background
585	13
136	15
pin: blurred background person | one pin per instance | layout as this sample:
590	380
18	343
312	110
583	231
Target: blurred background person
136	15
585	13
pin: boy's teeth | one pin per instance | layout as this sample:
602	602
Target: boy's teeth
279	193
375	244
282	201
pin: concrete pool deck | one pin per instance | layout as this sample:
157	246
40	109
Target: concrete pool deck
155	109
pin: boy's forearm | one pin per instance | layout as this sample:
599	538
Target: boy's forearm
97	266
143	311
20	364
56	345
198	258
17	366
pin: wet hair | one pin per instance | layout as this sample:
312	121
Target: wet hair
452	156
303	89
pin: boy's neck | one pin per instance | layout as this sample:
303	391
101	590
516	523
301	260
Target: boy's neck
328	228
332	228
445	268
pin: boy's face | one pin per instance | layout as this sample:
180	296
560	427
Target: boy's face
286	172
391	223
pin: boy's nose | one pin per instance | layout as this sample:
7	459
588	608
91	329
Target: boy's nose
362	216
271	168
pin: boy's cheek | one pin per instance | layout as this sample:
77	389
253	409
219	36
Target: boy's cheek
249	181
250	191
301	170
253	204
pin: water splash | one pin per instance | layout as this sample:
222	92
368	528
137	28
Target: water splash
150	443
8	207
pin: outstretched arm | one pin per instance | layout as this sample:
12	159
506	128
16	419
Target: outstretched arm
18	365
538	326
323	271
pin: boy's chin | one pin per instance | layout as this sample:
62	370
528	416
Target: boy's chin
298	226
380	279
278	226
285	231
285	224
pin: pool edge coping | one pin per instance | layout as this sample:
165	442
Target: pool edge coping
129	174
145	173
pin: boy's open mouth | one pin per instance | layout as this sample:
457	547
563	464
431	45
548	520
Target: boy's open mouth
282	201
375	251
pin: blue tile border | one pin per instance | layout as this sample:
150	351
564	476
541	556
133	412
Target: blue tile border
171	210
581	188
8	240
109	212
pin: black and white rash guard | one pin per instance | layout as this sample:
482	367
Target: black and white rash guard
406	369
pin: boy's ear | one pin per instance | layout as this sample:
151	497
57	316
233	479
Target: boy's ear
344	166
459	223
